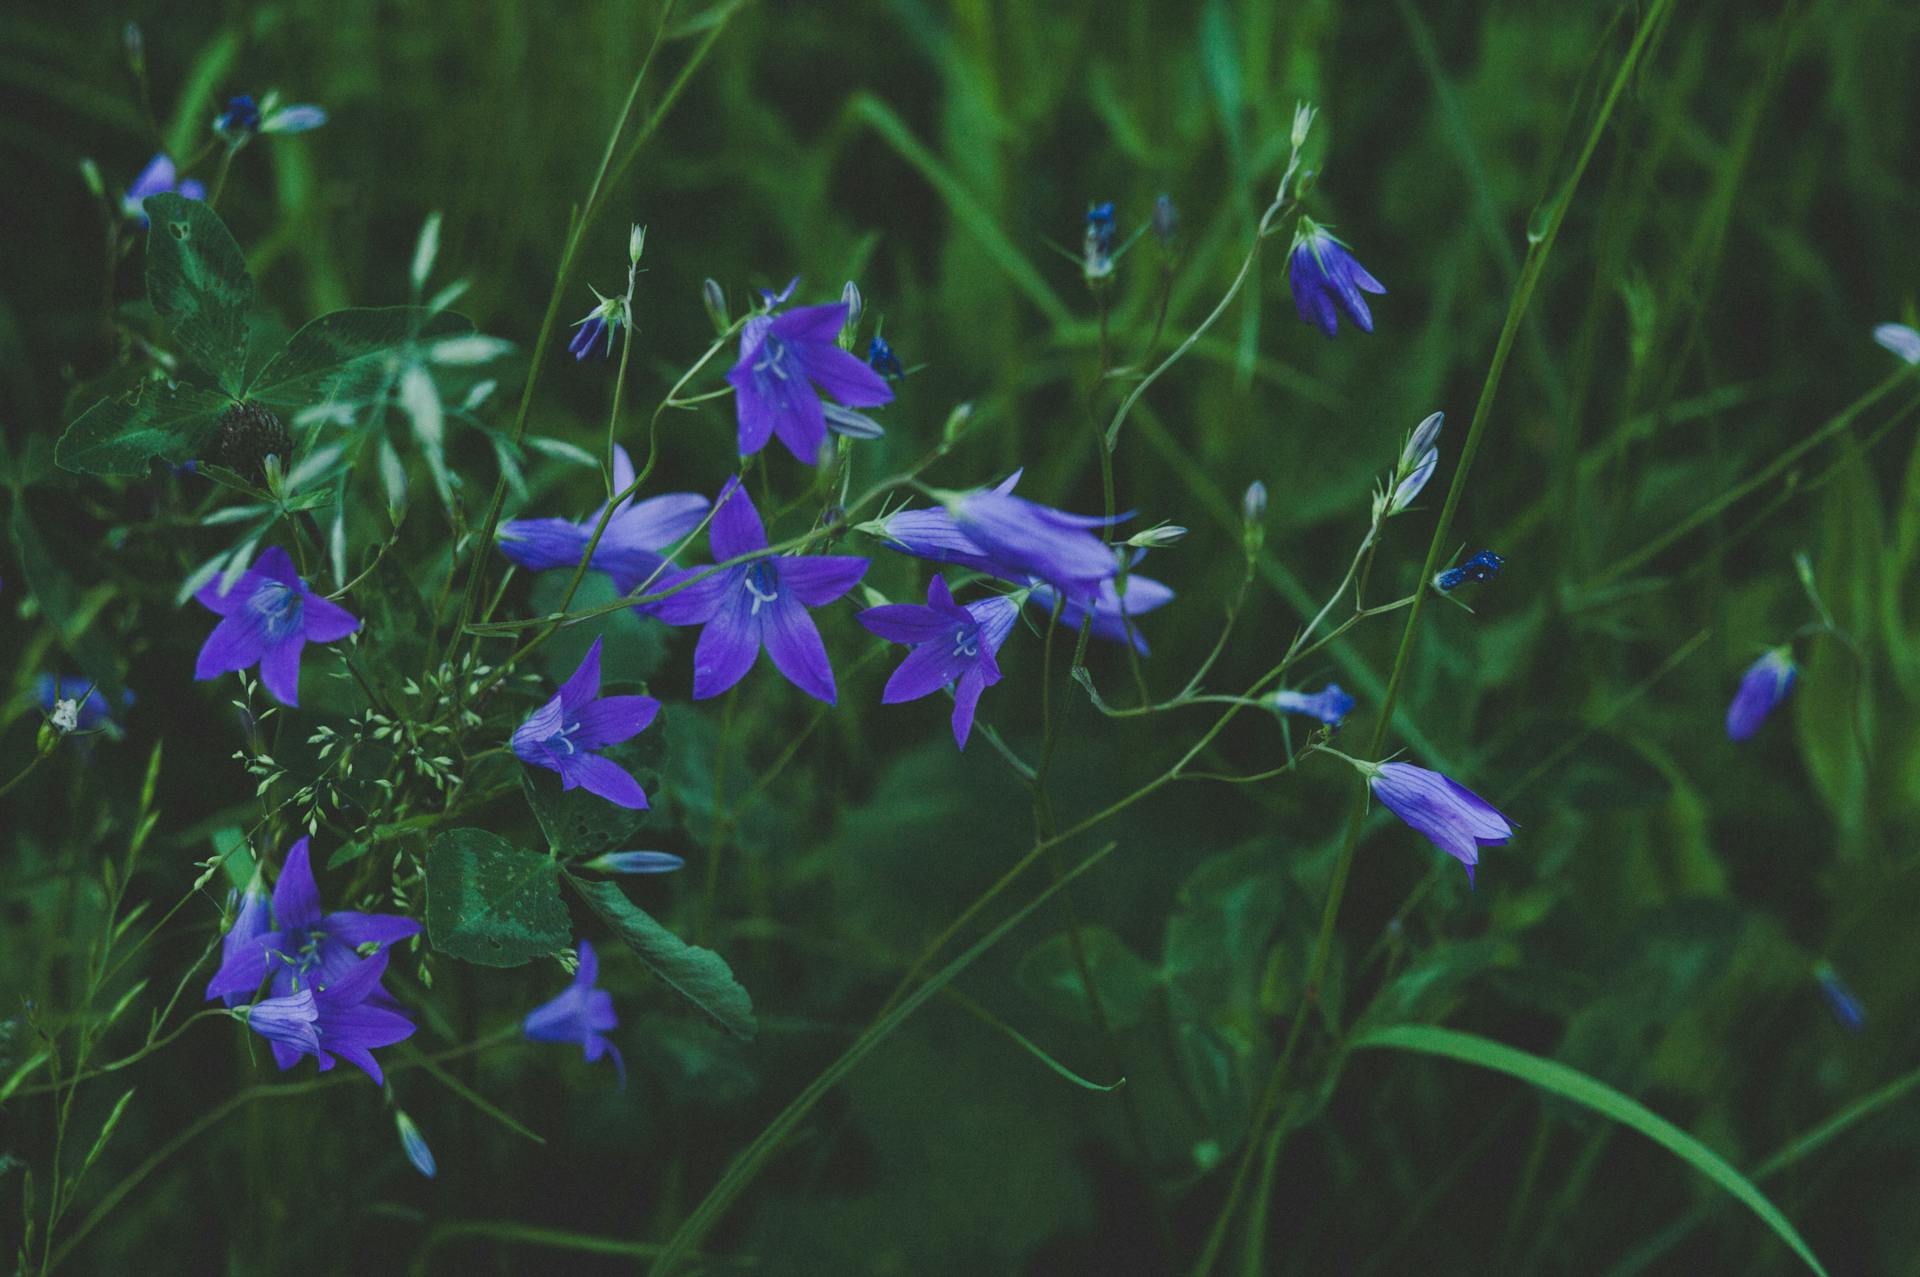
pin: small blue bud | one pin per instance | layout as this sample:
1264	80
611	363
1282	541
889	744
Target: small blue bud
881	359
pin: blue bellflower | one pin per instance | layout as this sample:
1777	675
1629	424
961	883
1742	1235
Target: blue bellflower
1900	339
1331	704
934	536
1097	249
305	946
1453	817
564	734
90	711
881	359
1113	612
629	549
1032	540
266	619
952	646
762	603
1765	684
786	362
158	178
1481	568
240	119
580	1013
603	321
345	1015
1326	279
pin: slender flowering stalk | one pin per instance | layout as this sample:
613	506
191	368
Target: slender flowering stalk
1326	279
579	1013
755	605
953	646
566	733
266	618
1765	684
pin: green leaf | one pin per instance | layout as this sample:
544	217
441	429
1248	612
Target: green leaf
197	281
157	418
345	355
1557	1079
67	612
701	976
491	903
1123	979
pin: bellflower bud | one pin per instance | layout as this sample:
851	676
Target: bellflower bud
850	327
714	298
636	244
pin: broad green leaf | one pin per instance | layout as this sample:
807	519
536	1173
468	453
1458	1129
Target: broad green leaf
197	281
491	903
122	433
578	823
701	976
1123	979
346	354
1557	1079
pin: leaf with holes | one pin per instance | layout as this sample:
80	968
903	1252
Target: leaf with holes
491	903
156	418
701	976
198	283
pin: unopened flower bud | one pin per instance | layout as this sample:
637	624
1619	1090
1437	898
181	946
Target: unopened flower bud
1414	451
957	422
1166	219
636	862
1154	538
90	174
1253	506
135	45
714	298
414	1144
1303	113
636	243
850	327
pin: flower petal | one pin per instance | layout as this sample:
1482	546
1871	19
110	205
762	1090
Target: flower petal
695	602
296	897
584	683
966	698
324	620
844	377
819	579
736	528
603	776
810	324
794	643
728	646
280	668
612	719
927	669
354	929
236	643
906	623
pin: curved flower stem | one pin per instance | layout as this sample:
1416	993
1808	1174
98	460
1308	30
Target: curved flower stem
1538	249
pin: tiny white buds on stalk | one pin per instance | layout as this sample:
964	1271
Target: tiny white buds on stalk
1303	113
1418	459
636	244
1253	513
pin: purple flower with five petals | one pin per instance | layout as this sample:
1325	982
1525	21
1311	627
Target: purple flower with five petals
158	178
1322	273
1765	684
565	733
265	619
952	645
1453	817
762	603
344	1015
628	549
1113	612
786	361
581	1013
305	946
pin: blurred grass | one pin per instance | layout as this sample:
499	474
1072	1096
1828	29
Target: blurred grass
1747	220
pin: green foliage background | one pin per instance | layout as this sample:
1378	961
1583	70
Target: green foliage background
1748	217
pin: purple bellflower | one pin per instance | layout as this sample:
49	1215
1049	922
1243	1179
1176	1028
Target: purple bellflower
1331	704
1902	340
265	619
1322	273
344	1015
933	535
952	646
581	1013
1765	684
758	604
881	359
89	707
1479	569
629	549
1028	539
241	118
1113	612
305	946
1097	249
1453	817
564	734
786	361
604	320
158	178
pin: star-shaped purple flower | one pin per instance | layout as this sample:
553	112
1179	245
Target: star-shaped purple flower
628	550
952	645
344	1015
758	604
304	946
265	619
1033	540
581	1013
1322	274
564	734
786	361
